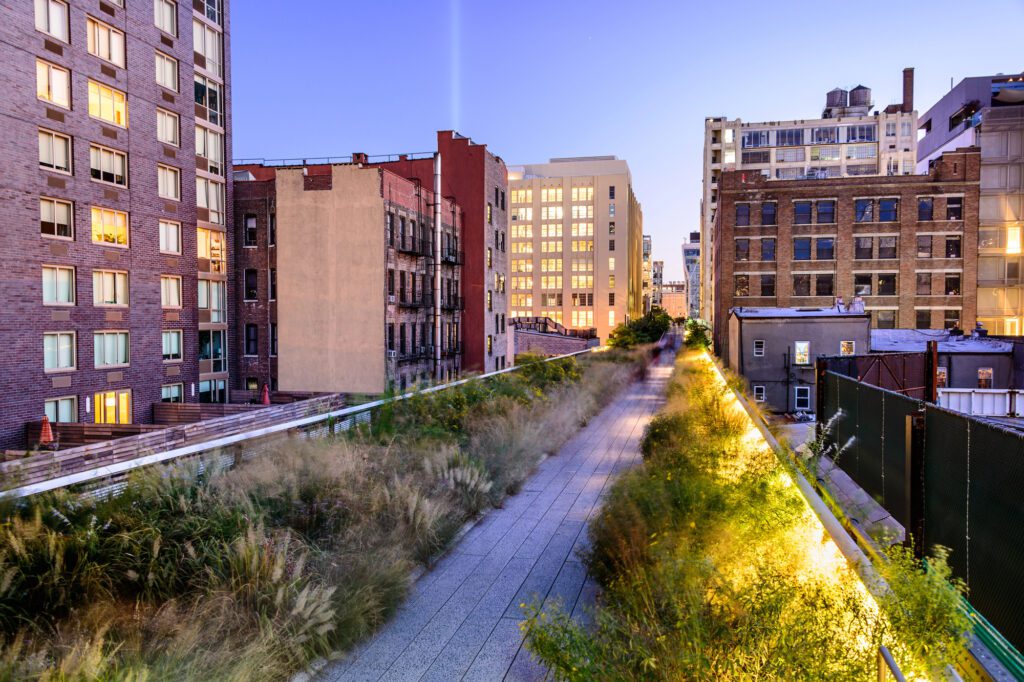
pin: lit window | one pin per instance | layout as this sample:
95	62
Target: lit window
984	377
941	377
167	127
801	352
171	345
847	347
113	407
1013	240
108	104
58	285
108	165
53	84
52	18
611	318
61	410
167	71
109	227
109	288
170	237
54	151
58	351
165	16
169	185
105	42
170	292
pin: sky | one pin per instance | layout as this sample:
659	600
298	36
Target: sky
537	79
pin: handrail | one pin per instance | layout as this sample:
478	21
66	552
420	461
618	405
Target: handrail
118	468
887	666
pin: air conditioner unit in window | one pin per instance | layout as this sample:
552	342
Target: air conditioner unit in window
391	298
392	354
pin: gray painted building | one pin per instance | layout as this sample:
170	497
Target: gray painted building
964	361
774	349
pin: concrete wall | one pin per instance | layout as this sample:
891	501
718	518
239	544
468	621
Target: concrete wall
330	304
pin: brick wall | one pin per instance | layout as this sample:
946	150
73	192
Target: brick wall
549	344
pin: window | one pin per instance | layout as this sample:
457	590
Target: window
767	285
802	213
758	348
953	284
54	151
211	299
888	210
887	284
109	227
53	84
167	71
58	351
801	352
252	339
864	210
611	244
210	245
802	248
170	291
212	348
110	349
750	158
863	248
272	230
214	8
789	155
792	137
208	97
250	230
742	215
768	213
802	398
742	249
167	127
52	18
768	250
759	394
273	284
273	338
172	393
984	377
824	285
207	43
862	133
108	104
113	407
847	347
210	146
742	283
887	247
611	263
825	248
171	345
951	319
924	284
754	138
801	285
169	182
251	289
941	377
611	192
58	285
922	319
109	288
61	410
953	247
890	129
105	42
108	165
210	196
924	246
826	211
862	284
170	237
955	208
924	208
55	218
165	16
215	391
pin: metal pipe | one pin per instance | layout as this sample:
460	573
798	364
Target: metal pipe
437	267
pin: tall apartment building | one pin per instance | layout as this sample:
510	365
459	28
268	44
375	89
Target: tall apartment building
477	180
848	140
988	112
657	281
906	245
647	273
334	280
116	165
691	274
576	246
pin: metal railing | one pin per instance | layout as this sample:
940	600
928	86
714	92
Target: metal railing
325	160
888	669
339	420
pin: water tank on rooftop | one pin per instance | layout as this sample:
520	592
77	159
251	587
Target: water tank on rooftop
836	98
860	96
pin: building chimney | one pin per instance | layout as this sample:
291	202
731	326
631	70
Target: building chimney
908	89
360	157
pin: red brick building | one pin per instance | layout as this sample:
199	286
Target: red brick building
907	245
101	198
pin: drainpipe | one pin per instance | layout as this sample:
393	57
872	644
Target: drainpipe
437	266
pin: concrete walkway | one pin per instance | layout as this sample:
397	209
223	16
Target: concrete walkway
461	620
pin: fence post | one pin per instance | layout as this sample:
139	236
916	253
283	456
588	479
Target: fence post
914	481
931	380
820	368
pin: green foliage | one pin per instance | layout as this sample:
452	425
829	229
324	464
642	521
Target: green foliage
646	329
698	334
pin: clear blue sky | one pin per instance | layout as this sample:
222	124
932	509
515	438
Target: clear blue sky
536	79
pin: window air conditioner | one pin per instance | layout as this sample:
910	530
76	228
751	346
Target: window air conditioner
392	354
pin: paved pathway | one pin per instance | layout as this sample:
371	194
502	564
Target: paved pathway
461	620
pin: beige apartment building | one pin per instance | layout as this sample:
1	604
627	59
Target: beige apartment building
848	140
576	243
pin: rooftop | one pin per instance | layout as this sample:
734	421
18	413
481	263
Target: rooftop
913	340
774	313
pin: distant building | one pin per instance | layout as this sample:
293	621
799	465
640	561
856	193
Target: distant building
963	360
542	336
647	273
906	244
848	140
657	281
987	112
334	288
774	349
674	299
691	274
576	243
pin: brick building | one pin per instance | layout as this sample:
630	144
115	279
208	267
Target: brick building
111	169
905	244
476	180
334	280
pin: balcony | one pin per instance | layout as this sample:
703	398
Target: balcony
452	303
452	257
415	247
421	301
451	351
415	354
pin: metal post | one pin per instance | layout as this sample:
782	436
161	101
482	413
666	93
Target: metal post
913	488
437	267
931	370
820	368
